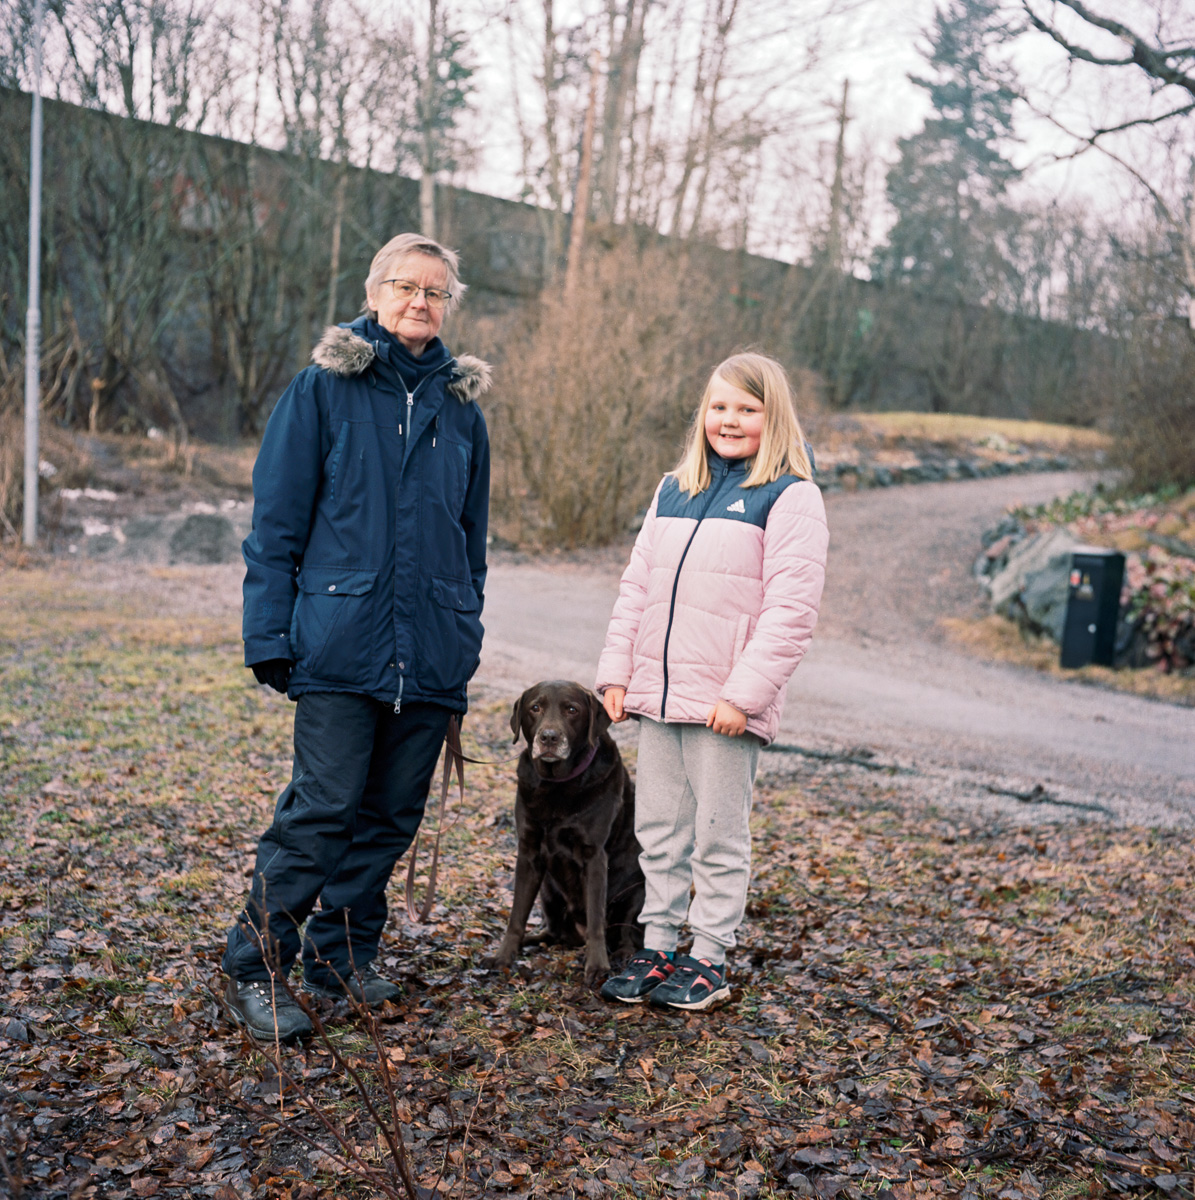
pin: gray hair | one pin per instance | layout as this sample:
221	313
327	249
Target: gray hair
403	246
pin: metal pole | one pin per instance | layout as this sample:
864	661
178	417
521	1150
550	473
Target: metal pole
33	313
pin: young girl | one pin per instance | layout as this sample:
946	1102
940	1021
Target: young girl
714	612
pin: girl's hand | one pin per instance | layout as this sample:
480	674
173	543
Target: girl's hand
725	718
612	699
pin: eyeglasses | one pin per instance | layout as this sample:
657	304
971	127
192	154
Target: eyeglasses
404	289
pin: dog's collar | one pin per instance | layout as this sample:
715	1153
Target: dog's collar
586	763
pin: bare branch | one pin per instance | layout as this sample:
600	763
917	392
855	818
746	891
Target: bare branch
1091	142
1155	61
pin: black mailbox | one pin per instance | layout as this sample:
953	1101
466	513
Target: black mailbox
1092	607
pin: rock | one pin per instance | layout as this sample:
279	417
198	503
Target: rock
1028	557
1043	598
203	539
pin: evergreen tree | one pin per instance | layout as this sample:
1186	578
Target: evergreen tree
948	187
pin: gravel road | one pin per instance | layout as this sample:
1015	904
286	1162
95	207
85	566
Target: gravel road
880	688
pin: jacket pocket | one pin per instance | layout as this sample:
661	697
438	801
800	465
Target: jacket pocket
337	455
742	631
333	622
452	645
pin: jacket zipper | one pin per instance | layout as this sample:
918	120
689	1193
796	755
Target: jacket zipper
714	486
405	430
405	433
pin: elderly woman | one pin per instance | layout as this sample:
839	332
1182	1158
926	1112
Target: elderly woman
363	595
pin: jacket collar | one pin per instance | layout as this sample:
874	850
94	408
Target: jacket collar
720	466
411	370
348	350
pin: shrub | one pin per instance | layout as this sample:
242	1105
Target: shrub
1155	428
596	392
1162	605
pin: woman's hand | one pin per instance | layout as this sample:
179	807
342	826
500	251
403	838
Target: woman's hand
612	699
725	718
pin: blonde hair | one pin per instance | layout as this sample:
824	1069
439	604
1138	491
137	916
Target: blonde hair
782	443
403	246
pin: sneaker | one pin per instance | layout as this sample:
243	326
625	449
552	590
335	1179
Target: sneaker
266	1010
694	983
365	986
646	971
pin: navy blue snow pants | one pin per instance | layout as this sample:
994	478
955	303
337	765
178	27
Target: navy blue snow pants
357	792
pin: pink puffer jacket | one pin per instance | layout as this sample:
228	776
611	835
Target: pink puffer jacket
719	600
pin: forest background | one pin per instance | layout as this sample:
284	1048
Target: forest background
216	185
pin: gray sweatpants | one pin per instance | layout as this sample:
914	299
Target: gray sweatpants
692	818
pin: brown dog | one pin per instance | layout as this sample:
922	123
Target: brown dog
575	817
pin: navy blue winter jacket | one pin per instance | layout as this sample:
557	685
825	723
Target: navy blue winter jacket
367	561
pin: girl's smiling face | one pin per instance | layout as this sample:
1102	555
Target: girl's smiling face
733	420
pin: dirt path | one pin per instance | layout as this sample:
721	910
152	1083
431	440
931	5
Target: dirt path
880	684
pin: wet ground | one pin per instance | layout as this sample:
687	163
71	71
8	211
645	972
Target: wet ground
881	685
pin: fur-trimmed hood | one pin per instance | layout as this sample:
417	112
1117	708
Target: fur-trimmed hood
346	353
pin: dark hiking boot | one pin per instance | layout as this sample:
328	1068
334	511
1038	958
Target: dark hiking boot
696	983
645	972
365	986
265	1010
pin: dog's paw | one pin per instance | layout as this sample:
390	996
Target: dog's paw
597	970
503	958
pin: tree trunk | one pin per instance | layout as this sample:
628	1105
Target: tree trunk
427	120
621	80
581	196
834	234
334	265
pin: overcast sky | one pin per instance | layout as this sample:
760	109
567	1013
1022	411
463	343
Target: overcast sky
876	44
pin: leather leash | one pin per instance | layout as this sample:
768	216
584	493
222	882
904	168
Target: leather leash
454	759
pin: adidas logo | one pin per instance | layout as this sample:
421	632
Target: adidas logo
737	506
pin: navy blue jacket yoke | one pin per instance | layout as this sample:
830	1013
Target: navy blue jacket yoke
367	561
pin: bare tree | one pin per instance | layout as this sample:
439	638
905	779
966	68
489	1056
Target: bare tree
1154	43
584	177
624	38
444	73
159	61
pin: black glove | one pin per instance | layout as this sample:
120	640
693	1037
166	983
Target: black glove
274	672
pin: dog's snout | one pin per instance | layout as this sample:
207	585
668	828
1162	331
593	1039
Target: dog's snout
551	736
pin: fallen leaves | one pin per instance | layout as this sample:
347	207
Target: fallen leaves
919	1007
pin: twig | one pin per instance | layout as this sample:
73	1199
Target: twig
469	1123
856	759
1038	795
1124	973
348	1154
393	1133
880	1015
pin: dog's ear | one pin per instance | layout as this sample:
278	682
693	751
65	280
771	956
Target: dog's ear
599	718
516	717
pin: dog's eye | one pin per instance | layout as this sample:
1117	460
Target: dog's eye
572	708
535	708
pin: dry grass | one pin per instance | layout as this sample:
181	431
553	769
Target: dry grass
994	637
224	466
959	427
913	996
